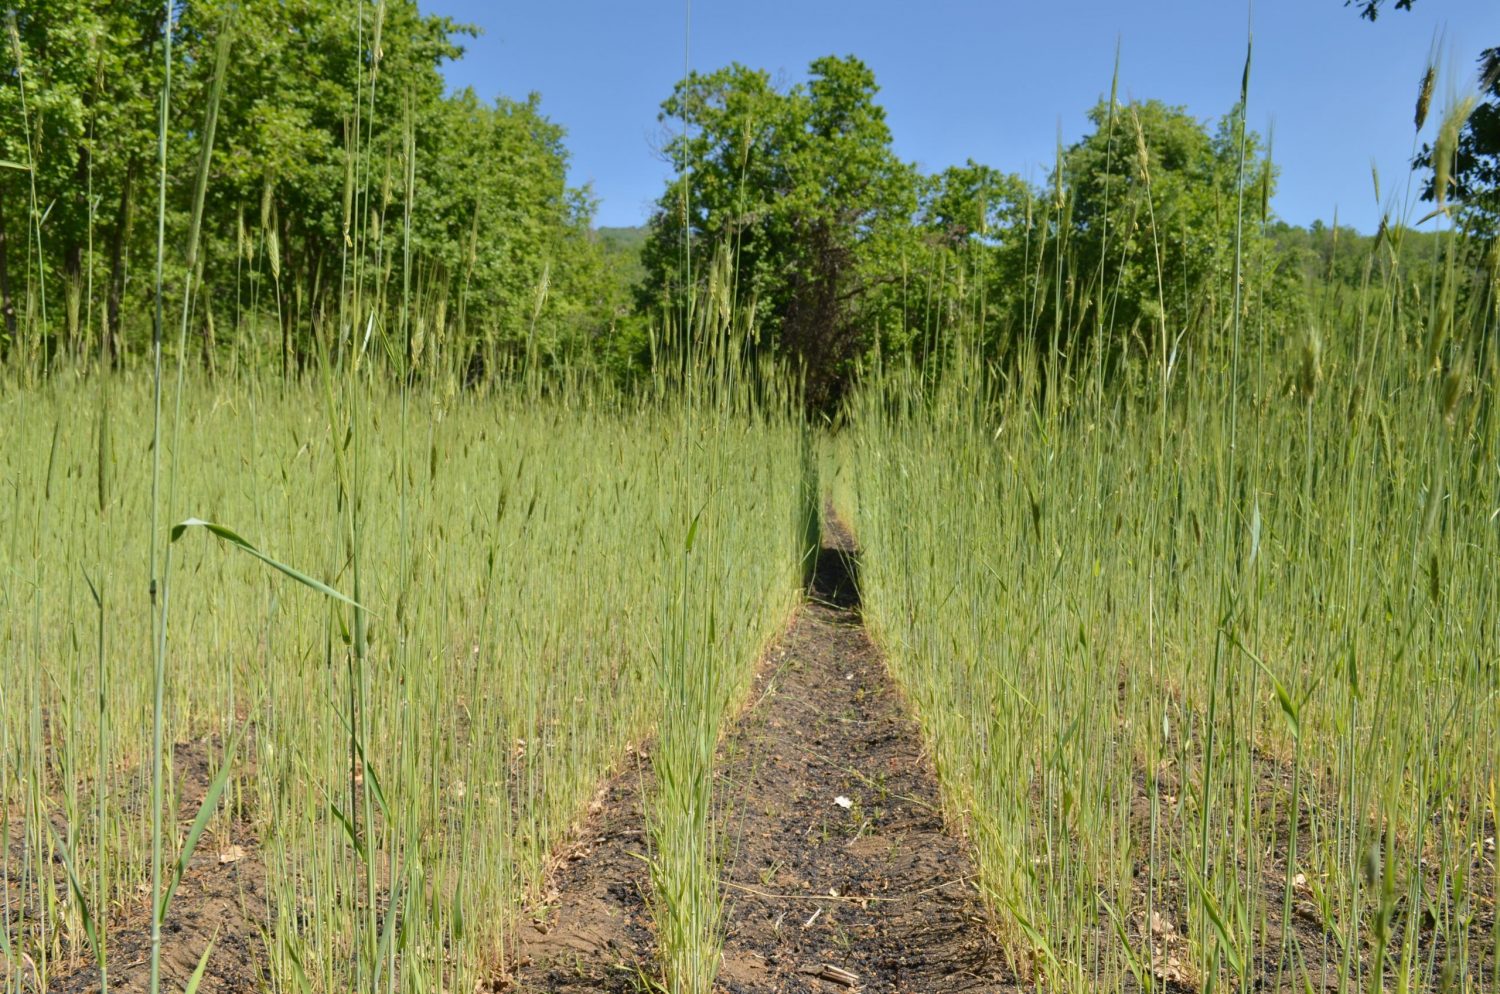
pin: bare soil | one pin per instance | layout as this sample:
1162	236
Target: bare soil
839	872
221	900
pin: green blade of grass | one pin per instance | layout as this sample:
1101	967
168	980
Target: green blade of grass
238	542
206	812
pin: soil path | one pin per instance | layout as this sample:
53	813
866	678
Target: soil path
840	875
221	900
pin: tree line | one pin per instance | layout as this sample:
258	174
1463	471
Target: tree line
1137	247
355	212
342	177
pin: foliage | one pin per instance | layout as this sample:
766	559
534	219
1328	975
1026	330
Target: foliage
802	186
1474	176
357	212
1151	198
344	183
846	252
1338	257
1475	169
1370	9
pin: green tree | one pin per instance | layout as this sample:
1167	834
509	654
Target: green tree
311	173
351	206
77	118
973	203
803	189
1150	210
968	271
502	238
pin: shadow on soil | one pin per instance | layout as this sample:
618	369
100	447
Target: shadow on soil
835	579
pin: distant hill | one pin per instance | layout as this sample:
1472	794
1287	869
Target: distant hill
622	249
623	240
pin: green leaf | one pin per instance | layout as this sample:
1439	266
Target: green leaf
234	539
376	791
1038	940
197	977
93	590
1289	707
1131	960
289	945
89	928
343	819
388	929
205	814
457	916
1223	931
8	164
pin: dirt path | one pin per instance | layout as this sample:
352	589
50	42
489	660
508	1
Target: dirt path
221	900
840	874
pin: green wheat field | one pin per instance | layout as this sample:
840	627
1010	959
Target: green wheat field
363	506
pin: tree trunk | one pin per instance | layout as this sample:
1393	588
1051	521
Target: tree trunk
110	340
7	305
76	327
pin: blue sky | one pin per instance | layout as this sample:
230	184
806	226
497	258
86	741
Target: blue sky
997	81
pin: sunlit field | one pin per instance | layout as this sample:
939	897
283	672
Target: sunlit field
856	577
532	576
1209	667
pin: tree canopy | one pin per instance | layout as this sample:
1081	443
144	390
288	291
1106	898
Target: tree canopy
1474	176
844	250
341	172
802	187
358	212
1154	197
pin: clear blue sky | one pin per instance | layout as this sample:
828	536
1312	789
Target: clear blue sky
997	81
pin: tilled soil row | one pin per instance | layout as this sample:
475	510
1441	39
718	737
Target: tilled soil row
839	873
221	901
